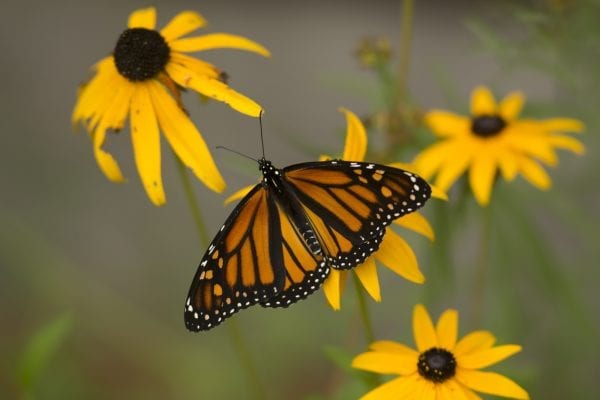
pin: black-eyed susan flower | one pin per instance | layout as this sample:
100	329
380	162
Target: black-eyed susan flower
394	252
494	138
141	80
442	367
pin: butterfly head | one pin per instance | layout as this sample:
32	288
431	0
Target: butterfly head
269	172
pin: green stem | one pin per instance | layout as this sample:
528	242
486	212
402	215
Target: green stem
406	28
364	310
481	271
239	345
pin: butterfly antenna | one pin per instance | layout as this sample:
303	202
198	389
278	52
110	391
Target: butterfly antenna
236	152
262	142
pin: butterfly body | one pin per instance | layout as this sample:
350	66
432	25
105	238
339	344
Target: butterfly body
279	243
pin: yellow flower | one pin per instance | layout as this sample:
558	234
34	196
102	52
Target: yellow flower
441	368
141	79
492	139
394	252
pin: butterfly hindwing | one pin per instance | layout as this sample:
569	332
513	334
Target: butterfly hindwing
351	203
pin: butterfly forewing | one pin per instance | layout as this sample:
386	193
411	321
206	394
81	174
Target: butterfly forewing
351	203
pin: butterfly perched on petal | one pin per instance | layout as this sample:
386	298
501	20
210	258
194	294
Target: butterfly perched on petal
282	238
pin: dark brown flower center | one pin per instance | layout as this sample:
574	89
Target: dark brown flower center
487	125
141	54
436	365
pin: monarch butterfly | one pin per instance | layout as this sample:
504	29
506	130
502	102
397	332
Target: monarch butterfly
282	238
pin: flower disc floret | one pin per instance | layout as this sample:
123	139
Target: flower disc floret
487	125
141	54
436	365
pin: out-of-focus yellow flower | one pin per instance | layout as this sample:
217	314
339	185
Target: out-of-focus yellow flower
141	79
442	367
492	139
394	252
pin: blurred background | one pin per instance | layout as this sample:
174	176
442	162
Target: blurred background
93	277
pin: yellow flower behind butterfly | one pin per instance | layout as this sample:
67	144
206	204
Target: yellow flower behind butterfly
142	79
442	367
494	139
394	252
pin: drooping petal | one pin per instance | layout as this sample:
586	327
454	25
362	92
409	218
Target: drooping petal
146	144
100	87
487	357
481	176
447	329
451	390
534	145
566	143
456	163
562	125
507	162
534	173
416	222
195	65
218	41
108	165
184	138
367	274
483	102
389	346
214	89
510	107
239	194
397	255
474	341
423	330
398	388
447	124
386	363
142	18
356	138
333	287
182	24
491	383
429	161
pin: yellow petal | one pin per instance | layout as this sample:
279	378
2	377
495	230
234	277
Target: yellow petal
423	330
398	388
333	287
214	89
184	138
182	24
143	18
456	163
534	145
507	162
491	383
429	161
483	102
451	390
146	144
510	107
534	173
386	363
218	41
325	157
487	357
239	194
99	90
447	329
416	222
195	65
471	395
108	165
388	346
481	176
566	143
367	275
356	138
447	124
397	255
438	193
474	341
562	125
423	390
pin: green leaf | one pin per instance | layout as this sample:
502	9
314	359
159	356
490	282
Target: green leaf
40	350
